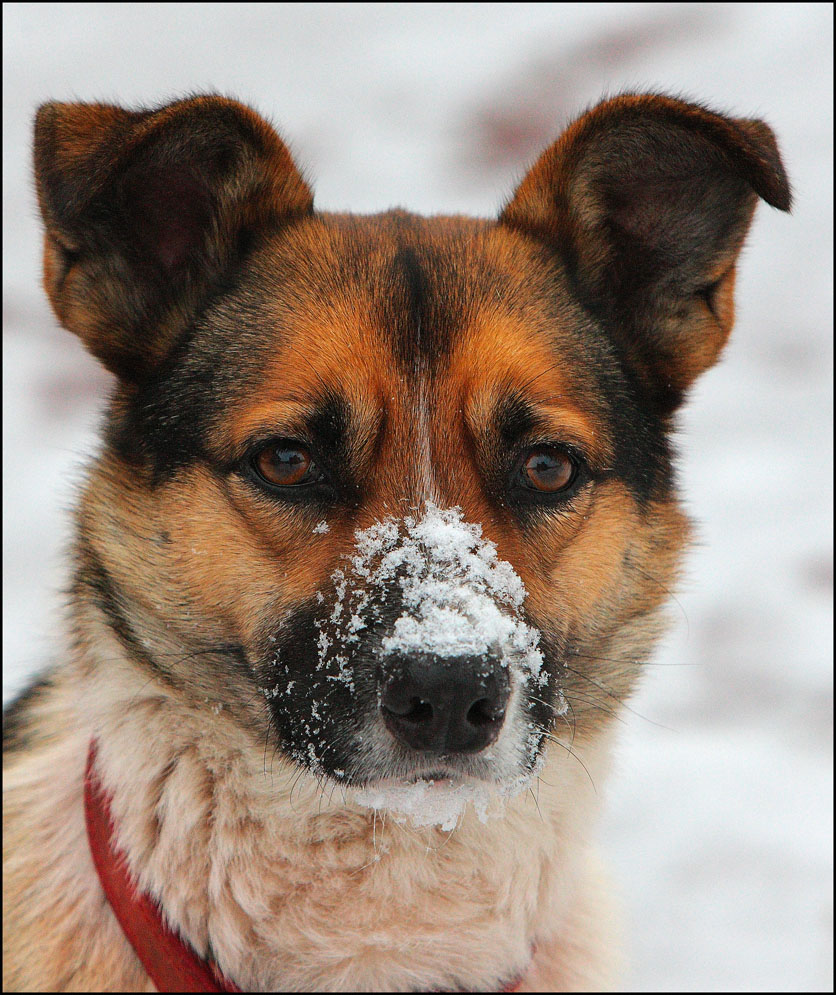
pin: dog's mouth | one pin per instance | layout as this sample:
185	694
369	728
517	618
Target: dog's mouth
454	770
426	801
434	776
440	777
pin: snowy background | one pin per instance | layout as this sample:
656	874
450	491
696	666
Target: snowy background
719	817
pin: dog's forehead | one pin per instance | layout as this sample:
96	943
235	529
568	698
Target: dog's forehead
382	308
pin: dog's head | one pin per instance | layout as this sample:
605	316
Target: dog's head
395	491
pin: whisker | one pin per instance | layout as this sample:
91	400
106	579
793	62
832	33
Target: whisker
613	695
542	373
667	591
594	703
561	715
536	802
595	658
572	753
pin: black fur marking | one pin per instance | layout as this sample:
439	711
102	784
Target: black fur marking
422	297
109	599
638	428
330	426
330	419
316	716
642	455
164	420
514	419
413	329
16	736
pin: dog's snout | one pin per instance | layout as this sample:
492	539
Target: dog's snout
444	705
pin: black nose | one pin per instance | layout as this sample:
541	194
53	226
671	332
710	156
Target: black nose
444	704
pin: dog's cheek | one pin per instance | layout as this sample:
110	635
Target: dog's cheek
601	604
218	573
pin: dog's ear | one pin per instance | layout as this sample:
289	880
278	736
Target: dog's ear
147	211
648	200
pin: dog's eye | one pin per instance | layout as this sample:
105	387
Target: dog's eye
285	464
548	469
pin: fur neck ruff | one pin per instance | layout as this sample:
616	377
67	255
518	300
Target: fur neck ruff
169	961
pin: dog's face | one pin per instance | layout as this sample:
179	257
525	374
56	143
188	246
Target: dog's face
396	492
388	367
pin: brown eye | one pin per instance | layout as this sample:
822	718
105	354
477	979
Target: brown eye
285	464
548	469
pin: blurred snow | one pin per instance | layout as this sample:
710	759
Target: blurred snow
718	821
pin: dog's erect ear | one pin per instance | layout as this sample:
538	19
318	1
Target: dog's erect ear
145	212
648	199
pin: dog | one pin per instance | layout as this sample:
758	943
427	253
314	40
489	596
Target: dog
379	537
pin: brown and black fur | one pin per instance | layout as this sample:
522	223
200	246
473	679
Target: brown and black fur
418	358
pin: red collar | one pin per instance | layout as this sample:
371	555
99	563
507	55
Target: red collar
170	962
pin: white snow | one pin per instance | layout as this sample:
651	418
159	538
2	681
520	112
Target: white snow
459	598
720	831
